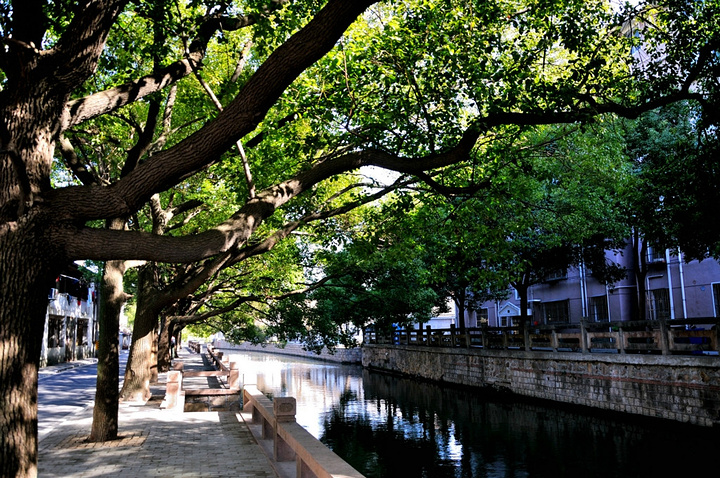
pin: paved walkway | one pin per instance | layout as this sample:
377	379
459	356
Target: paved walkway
154	443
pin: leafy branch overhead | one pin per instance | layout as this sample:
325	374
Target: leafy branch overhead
102	114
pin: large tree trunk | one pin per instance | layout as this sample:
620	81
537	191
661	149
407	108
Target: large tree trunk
166	330
105	413
28	262
139	369
26	279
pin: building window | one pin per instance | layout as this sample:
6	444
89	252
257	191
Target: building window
655	254
716	298
506	321
558	274
483	315
82	332
659	304
55	327
556	312
599	308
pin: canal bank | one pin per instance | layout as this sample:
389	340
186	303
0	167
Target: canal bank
386	425
685	389
339	355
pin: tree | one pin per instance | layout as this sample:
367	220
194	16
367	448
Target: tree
368	281
550	201
381	112
44	228
453	238
564	204
673	153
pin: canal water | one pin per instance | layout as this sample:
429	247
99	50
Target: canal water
386	426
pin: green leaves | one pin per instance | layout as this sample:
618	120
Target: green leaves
409	78
676	198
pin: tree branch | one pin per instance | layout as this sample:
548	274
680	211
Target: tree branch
205	147
85	175
77	52
103	102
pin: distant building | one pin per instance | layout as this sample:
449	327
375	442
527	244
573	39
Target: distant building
71	320
674	290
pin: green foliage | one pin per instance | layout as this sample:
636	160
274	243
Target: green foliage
91	271
554	199
130	310
200	331
409	78
564	203
675	156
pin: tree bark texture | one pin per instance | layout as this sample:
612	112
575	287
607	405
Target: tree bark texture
112	296
138	371
26	278
166	329
29	261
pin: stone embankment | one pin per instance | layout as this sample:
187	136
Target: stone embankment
680	388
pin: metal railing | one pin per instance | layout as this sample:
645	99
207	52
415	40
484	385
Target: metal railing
677	337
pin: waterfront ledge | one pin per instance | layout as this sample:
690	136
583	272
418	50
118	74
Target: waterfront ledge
680	388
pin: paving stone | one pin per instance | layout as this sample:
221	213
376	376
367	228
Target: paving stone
156	443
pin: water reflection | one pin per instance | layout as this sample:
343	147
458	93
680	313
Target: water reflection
387	426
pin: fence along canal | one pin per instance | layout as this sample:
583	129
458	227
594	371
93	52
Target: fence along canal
677	337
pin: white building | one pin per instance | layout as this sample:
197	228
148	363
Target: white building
71	320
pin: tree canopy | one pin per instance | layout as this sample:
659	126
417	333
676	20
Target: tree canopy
322	88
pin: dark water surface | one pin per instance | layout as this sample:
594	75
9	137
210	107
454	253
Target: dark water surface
387	426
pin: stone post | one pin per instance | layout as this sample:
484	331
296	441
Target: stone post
234	378
664	340
174	398
584	335
284	409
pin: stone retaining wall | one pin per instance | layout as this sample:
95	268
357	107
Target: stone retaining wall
341	355
684	389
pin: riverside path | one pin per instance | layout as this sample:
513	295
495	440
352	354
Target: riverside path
153	442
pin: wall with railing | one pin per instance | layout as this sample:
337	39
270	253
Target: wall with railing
659	371
179	397
678	337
